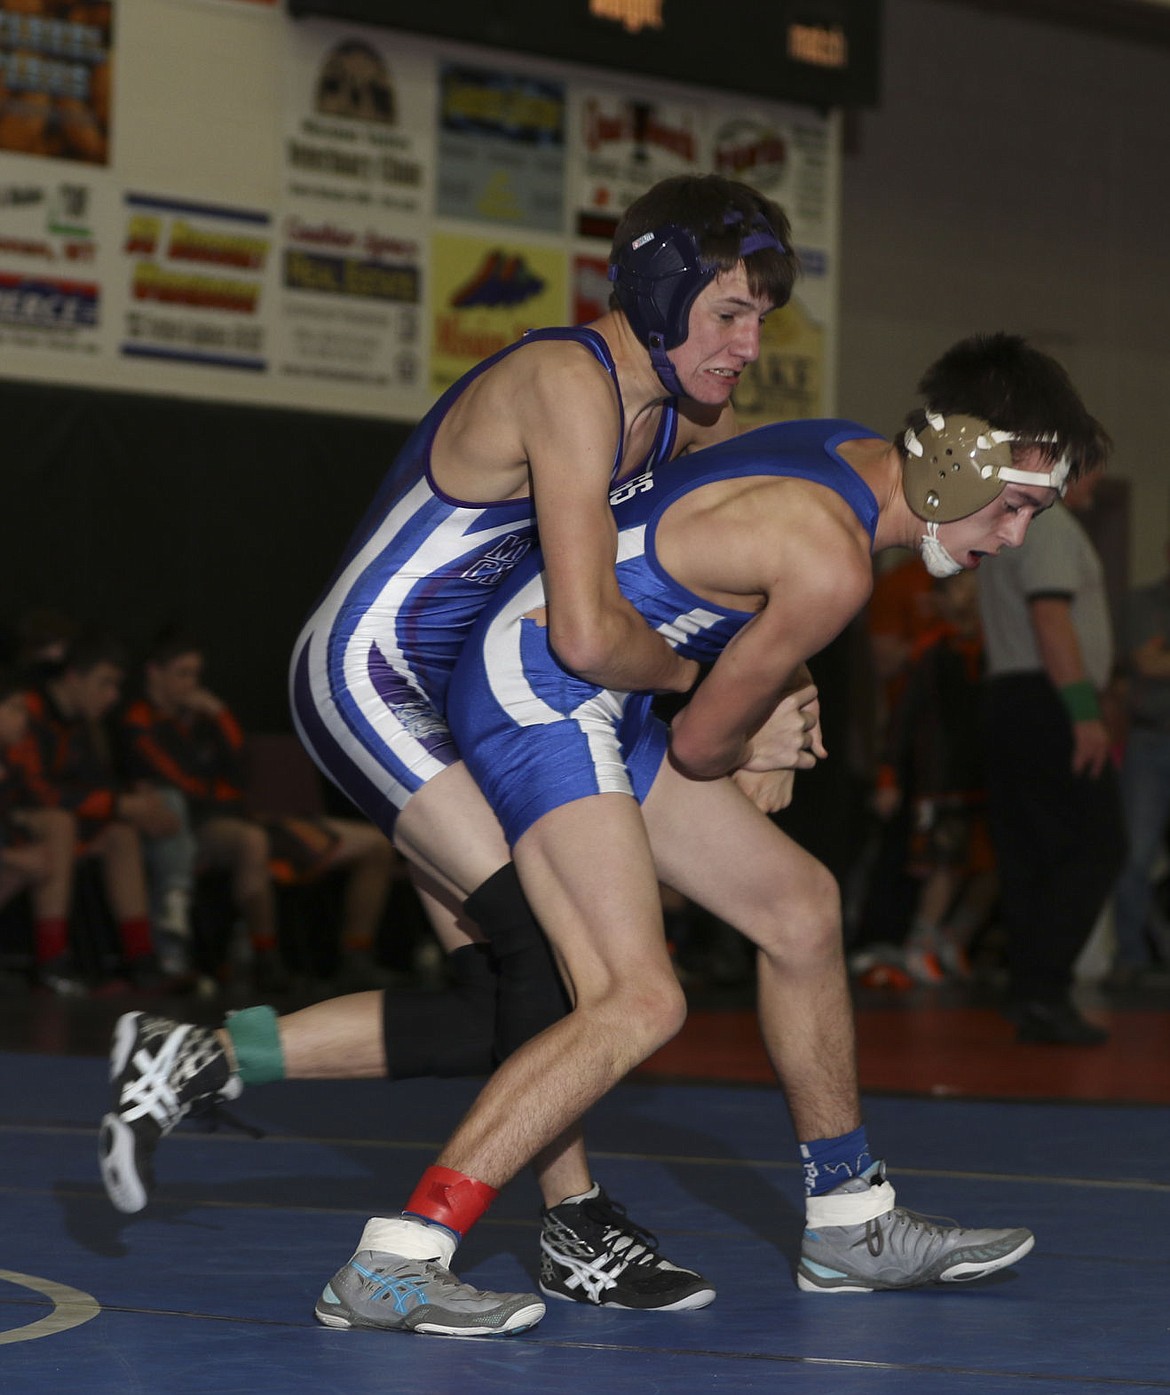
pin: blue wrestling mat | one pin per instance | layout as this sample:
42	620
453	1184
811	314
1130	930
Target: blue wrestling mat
211	1290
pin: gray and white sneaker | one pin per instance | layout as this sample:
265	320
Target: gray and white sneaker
395	1294
159	1070
897	1248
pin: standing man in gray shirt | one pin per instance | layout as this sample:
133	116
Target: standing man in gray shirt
1145	773
1053	798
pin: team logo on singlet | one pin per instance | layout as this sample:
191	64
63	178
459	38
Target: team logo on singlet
639	484
419	719
490	568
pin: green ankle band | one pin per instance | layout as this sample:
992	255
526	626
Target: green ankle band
256	1039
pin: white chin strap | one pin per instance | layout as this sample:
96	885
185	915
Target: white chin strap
936	559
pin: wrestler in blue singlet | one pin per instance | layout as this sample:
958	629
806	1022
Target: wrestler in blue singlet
372	663
536	736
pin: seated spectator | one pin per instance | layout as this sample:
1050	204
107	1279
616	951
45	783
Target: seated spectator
180	737
61	764
36	845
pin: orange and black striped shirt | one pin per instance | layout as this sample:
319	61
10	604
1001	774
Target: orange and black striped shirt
60	764
197	754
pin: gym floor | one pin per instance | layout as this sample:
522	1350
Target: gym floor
211	1289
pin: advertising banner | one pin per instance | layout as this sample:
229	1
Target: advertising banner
51	302
194	283
350	306
55	76
485	294
623	145
501	147
789	155
416	205
360	120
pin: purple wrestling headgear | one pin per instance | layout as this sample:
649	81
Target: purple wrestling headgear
657	277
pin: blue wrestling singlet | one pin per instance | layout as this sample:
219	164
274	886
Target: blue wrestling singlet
370	669
535	736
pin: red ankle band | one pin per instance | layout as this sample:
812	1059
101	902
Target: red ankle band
451	1198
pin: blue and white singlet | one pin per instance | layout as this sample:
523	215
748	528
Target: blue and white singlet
370	669
535	735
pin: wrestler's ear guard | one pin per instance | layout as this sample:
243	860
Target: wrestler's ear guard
658	276
956	465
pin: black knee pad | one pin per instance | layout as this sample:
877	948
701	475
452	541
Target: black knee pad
531	994
450	1033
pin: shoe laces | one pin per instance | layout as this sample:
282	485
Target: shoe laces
631	1242
431	1272
154	1091
928	1227
211	1115
439	1275
165	1084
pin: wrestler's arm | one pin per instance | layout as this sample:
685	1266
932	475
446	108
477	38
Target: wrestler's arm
812	586
570	434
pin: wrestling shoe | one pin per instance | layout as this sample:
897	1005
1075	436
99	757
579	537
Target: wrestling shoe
590	1252
60	977
397	1294
893	1247
921	958
953	956
159	1070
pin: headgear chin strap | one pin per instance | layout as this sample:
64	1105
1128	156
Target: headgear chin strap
935	558
658	276
955	465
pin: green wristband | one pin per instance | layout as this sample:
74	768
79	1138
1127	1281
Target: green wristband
1080	700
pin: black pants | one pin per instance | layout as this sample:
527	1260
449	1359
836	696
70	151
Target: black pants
1059	838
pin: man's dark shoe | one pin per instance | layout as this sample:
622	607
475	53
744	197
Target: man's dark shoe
1056	1024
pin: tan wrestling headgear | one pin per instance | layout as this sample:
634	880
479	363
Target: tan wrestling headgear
955	465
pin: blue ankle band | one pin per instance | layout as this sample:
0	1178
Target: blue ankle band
256	1039
827	1162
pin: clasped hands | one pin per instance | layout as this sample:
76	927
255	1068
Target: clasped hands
788	741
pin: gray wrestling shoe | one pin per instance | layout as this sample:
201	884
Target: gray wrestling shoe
899	1249
396	1294
159	1070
